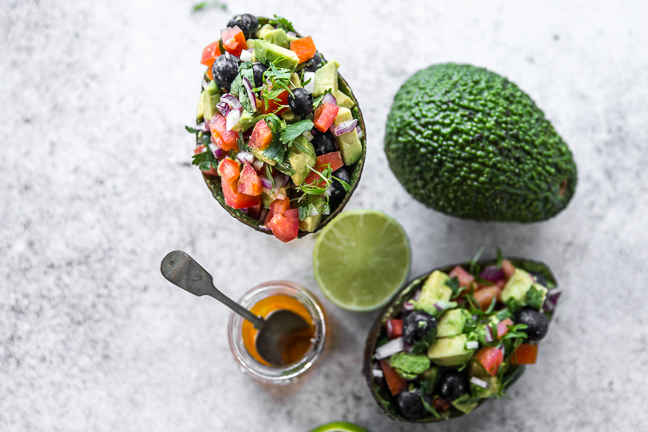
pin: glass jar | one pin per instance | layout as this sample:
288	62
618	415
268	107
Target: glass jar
253	366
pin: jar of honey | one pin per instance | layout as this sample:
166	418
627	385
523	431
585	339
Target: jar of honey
303	348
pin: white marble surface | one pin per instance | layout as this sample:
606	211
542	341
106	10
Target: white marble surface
95	188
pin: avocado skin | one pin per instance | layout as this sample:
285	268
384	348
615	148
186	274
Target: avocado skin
469	143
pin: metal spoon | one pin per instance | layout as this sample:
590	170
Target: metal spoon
273	332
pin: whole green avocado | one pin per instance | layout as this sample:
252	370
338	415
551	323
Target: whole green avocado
469	143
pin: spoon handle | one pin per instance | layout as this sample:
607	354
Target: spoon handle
183	271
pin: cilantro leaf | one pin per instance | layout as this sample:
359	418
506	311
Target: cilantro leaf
269	176
242	145
534	297
292	131
205	160
191	130
318	100
275	151
283	23
500	258
474	267
238	89
453	284
203	5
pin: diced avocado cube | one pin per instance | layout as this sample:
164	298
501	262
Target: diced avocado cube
266	199
264	30
259	155
326	78
312	222
349	143
278	37
478	371
434	290
301	155
465	403
450	351
250	44
208	100
245	122
408	365
267	53
288	116
452	322
344	100
517	286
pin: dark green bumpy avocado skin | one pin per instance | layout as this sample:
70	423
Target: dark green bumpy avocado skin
469	143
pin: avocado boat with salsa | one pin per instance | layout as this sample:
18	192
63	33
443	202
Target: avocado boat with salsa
280	139
458	336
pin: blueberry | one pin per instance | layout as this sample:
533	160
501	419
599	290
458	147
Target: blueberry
225	69
537	323
417	326
258	69
410	405
300	102
337	190
313	64
246	22
324	142
452	385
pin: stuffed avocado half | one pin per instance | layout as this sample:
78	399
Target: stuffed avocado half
458	336
280	138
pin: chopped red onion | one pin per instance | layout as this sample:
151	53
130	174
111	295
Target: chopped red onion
280	180
480	383
417	295
202	127
245	157
309	136
443	305
492	274
329	99
263	214
377	373
291	34
552	299
231	100
248	87
390	348
258	165
267	184
488	335
223	108
313	132
248	133
472	345
503	351
408	306
232	118
218	153
263	227
310	87
280	196
244	210
344	127
246	56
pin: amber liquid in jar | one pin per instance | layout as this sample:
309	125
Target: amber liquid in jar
295	346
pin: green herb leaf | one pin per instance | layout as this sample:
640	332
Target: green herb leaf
239	90
241	143
205	160
203	5
473	264
345	185
283	23
500	258
191	130
534	297
269	176
285	168
275	151
429	408
453	284
292	131
318	100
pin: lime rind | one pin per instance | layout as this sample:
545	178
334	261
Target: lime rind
382	232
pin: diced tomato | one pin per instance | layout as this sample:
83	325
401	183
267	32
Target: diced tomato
325	116
274	106
490	358
210	74
395	383
394	328
440	404
229	169
465	278
235	199
503	327
525	354
209	54
304	48
233	40
261	136
249	182
333	158
285	226
255	211
278	206
212	171
508	268
484	296
220	135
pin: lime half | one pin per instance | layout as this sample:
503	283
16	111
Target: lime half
360	259
339	427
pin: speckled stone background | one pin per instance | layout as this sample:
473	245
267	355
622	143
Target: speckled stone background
95	187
